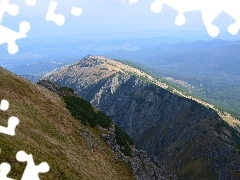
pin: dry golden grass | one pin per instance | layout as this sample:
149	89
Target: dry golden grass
50	133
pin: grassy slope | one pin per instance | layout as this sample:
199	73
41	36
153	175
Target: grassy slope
50	133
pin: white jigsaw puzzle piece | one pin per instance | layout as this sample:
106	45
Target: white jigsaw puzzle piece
12	9
4	170
232	8
133	1
210	10
4	105
76	11
31	171
9	36
12	124
30	2
12	121
59	19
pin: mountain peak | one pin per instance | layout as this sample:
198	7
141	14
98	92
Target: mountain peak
90	61
93	69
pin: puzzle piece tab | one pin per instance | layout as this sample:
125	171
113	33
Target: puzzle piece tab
9	36
31	171
210	10
59	19
4	170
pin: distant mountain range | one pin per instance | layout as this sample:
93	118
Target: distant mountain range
190	138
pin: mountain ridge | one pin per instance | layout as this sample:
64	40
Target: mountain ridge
191	139
120	67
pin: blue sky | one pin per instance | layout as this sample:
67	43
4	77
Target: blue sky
108	16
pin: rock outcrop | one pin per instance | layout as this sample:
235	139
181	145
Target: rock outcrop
188	139
142	166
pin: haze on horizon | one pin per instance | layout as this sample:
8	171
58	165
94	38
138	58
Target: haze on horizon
118	16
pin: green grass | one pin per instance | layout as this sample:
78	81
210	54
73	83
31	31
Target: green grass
66	89
84	112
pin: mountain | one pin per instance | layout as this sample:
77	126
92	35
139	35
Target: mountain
49	132
211	67
74	138
191	138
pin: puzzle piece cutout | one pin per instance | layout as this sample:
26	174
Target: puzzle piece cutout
8	35
31	171
12	121
210	10
59	19
4	170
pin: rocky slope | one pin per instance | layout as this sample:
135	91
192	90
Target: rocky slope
189	139
120	143
49	132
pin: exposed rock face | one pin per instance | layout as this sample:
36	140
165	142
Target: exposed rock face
141	164
144	168
187	138
54	87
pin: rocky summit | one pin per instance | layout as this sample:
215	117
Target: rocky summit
188	139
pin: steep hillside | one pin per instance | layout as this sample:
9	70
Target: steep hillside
190	137
48	131
204	65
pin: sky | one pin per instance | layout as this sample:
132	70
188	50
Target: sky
102	16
